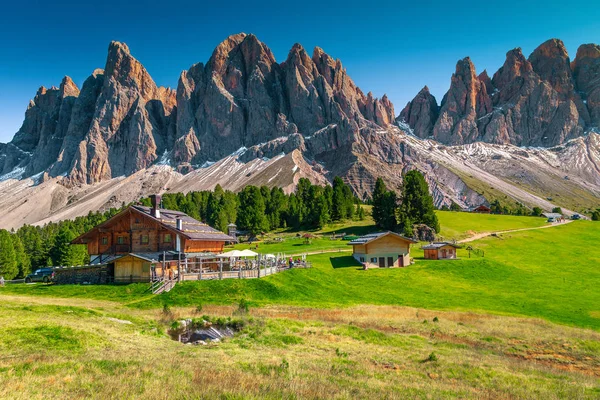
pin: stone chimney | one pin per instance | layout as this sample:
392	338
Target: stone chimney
155	199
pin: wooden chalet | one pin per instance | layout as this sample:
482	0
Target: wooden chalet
383	249
482	209
440	251
138	237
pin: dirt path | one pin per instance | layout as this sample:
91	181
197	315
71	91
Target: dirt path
486	234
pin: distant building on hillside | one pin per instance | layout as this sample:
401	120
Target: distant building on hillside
383	249
553	217
440	251
138	237
481	209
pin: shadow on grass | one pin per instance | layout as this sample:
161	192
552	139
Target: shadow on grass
351	230
344	262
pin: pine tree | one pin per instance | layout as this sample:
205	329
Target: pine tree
251	214
62	252
23	262
384	206
417	203
8	262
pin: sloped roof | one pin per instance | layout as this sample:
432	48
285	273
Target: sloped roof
439	245
552	215
191	228
373	236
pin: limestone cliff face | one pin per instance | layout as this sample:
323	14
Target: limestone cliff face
243	97
119	123
129	129
421	113
544	100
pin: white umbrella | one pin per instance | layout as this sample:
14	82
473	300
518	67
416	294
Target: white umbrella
270	256
232	253
248	253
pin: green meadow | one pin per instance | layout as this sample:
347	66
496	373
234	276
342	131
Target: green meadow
549	273
518	318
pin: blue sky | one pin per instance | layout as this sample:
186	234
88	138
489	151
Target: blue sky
387	47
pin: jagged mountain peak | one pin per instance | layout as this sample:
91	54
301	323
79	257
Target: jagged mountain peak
542	100
68	87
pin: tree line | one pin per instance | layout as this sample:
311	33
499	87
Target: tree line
253	209
262	209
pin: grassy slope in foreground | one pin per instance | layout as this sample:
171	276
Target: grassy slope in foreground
53	350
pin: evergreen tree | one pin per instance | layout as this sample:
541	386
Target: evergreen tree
23	262
557	210
596	215
495	207
417	203
62	252
454	207
384	206
8	262
536	211
251	215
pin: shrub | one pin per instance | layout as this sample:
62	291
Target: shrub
436	319
431	357
243	307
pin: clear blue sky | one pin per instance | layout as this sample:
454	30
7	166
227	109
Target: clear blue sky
387	47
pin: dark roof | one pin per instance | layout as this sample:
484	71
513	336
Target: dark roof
372	236
191	228
439	245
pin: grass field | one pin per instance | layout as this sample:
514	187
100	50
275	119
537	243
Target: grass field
100	349
521	322
459	225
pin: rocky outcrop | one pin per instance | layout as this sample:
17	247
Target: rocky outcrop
242	97
586	74
129	129
421	113
119	123
462	106
541	101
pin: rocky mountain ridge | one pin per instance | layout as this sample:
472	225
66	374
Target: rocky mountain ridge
245	118
544	100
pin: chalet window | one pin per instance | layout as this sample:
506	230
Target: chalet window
374	259
104	240
120	239
167	238
145	239
362	259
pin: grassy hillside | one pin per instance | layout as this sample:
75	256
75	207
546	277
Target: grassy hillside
100	349
459	225
550	273
332	331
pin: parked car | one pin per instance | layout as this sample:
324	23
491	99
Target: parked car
41	275
575	217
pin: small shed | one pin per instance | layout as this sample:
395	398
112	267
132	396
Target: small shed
440	251
382	249
553	217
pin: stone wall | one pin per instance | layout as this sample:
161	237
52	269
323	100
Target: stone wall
77	275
